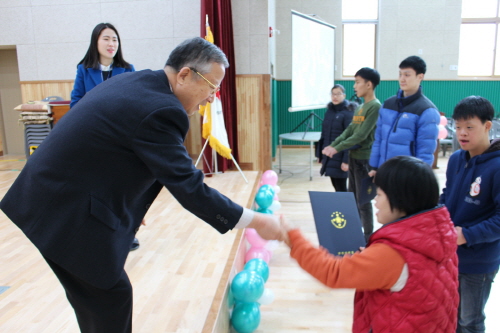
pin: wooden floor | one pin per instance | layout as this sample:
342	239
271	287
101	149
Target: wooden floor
177	269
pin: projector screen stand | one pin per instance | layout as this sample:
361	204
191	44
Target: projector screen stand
309	120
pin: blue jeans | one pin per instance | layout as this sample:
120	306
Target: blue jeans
474	290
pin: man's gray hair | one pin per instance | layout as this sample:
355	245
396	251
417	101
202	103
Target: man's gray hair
196	53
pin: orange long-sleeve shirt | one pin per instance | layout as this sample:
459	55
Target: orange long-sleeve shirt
377	267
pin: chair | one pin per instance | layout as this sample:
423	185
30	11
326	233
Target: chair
495	129
34	134
449	140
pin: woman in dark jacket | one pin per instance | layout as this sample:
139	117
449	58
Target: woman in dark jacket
337	118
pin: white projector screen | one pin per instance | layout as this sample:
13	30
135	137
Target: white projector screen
313	65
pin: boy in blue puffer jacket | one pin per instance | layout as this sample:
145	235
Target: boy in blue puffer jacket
472	196
408	122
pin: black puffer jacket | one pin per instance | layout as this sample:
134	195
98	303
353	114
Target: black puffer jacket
337	118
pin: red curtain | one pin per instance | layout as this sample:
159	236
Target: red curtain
221	23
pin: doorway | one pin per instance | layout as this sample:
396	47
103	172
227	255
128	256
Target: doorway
11	132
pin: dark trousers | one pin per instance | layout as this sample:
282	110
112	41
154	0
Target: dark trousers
98	310
358	170
339	184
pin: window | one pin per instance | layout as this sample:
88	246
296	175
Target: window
479	37
359	32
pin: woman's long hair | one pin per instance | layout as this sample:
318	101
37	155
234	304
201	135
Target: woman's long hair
91	59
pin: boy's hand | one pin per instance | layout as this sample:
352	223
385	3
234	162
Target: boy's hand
285	227
329	151
460	236
344	167
372	173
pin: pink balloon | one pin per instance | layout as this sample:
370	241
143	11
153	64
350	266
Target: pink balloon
254	239
443	121
443	132
257	252
269	177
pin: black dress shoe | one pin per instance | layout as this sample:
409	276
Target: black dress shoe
135	244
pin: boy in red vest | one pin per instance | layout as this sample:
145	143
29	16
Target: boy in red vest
406	278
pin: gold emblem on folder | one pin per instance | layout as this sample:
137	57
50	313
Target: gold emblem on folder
338	220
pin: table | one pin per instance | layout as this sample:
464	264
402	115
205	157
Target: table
310	137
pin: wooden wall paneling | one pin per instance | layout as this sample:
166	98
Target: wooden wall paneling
193	137
254	116
38	90
265	155
254	120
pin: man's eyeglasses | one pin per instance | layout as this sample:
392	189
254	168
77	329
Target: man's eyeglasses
214	87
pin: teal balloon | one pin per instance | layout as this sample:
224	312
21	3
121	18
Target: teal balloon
247	286
246	317
265	211
264	198
258	266
230	299
267	187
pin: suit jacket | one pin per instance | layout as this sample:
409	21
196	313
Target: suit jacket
88	78
82	196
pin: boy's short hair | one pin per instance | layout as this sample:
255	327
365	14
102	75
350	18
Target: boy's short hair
409	183
369	74
474	106
415	62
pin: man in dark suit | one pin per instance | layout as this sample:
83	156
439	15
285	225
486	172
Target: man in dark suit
82	196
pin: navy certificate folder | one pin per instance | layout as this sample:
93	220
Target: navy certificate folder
368	191
337	222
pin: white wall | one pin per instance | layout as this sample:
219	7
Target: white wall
52	36
271	10
250	29
405	27
432	26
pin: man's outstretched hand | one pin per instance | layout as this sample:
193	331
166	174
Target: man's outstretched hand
267	226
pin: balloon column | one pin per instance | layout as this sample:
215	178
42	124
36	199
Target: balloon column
443	132
267	196
248	293
247	290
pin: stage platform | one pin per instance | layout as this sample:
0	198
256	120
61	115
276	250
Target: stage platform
180	273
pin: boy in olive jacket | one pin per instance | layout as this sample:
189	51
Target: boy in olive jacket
358	139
